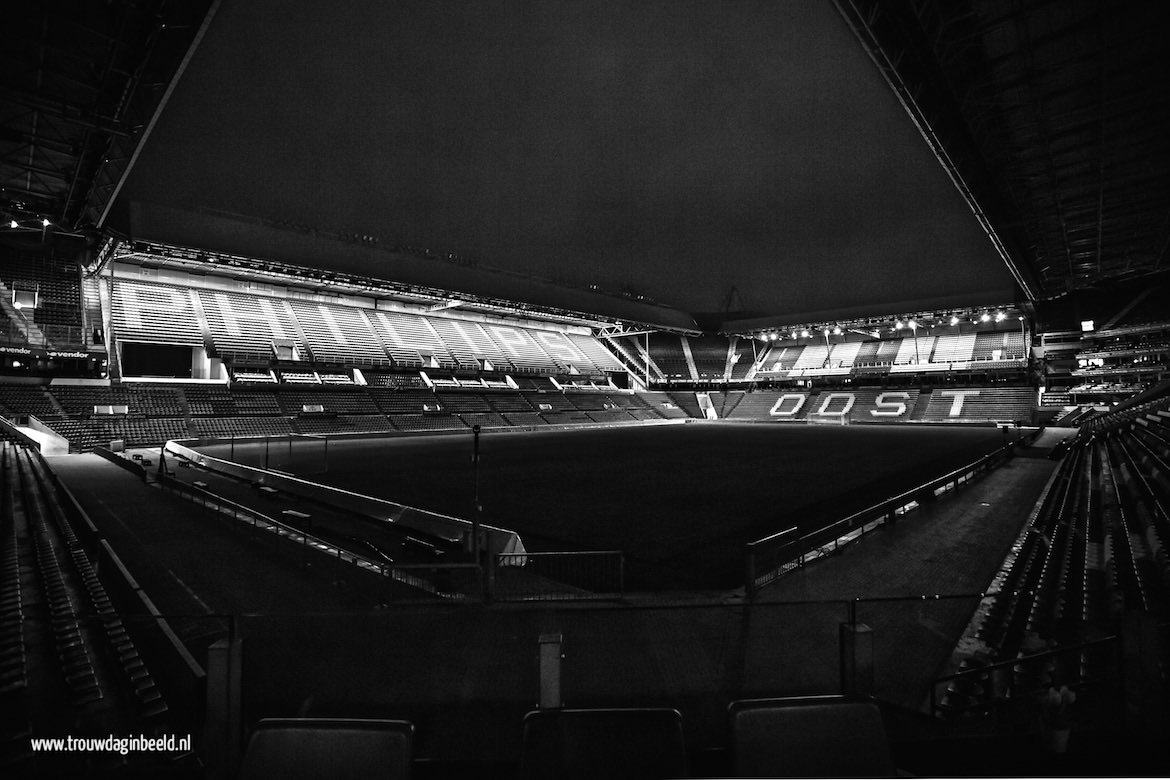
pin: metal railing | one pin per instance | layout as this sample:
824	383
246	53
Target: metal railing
997	681
768	558
548	576
445	580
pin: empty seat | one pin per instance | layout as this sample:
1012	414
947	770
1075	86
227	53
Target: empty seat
609	743
291	748
811	736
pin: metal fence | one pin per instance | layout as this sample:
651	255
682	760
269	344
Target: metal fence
768	558
444	580
559	575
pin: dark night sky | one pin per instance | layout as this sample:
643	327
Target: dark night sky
677	147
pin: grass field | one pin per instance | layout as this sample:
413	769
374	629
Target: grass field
681	501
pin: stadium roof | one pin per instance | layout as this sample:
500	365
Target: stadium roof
750	159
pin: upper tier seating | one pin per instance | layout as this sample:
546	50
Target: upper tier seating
600	359
520	348
245	327
155	313
57	285
633	347
955	348
339	334
813	356
781	358
845	354
745	356
710	356
1001	345
468	343
408	338
914	350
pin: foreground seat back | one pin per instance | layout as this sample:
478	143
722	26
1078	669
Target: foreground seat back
609	743
815	736
293	748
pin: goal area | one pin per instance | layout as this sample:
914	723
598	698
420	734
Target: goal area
827	419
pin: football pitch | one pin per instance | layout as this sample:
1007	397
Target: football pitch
680	501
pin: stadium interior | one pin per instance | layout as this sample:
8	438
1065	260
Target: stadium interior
444	391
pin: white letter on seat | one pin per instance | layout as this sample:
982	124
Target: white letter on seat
849	399
957	404
776	411
890	408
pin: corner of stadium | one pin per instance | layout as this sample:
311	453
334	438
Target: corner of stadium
443	391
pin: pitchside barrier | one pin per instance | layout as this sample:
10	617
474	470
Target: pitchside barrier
174	670
445	580
302	453
769	558
451	529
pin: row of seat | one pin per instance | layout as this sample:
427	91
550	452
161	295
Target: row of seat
815	736
88	671
244	327
1096	547
14	725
